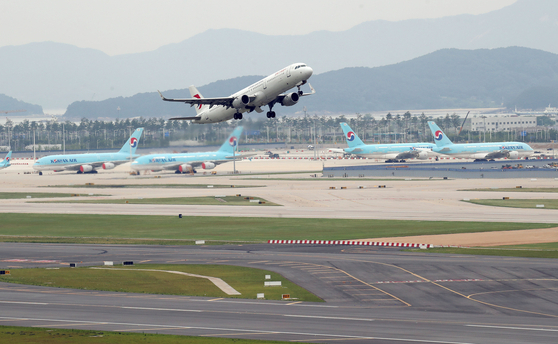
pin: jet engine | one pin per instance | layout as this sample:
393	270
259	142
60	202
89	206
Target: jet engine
241	102
513	155
108	166
185	168
290	99
86	168
207	165
422	155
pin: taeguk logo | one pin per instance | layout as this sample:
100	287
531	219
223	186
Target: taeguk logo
438	135
232	141
133	142
350	136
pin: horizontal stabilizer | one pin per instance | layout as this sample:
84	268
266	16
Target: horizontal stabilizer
195	118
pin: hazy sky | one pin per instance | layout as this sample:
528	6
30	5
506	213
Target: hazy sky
130	26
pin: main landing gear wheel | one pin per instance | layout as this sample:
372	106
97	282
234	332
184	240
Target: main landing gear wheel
271	114
237	116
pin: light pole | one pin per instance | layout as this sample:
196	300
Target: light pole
64	138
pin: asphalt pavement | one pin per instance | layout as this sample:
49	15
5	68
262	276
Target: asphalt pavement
371	294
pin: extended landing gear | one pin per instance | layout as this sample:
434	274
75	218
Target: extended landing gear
299	90
271	114
237	115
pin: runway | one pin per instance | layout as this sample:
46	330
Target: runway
372	295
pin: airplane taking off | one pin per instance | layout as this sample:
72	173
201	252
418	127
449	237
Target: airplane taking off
266	92
186	162
478	151
88	163
393	152
6	162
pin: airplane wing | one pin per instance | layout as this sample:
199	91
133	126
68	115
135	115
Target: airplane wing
411	154
223	101
186	118
355	151
280	97
95	165
498	154
237	157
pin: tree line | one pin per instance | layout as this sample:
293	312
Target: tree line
95	134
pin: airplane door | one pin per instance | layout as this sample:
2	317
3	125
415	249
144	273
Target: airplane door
289	71
265	85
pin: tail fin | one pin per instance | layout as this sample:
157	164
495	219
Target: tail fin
231	144
132	142
6	161
440	138
352	139
196	94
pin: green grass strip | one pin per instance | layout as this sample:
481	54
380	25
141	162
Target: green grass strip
253	229
156	186
19	195
247	281
547	190
518	203
37	335
227	200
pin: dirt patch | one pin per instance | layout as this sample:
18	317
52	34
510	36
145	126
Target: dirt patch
528	236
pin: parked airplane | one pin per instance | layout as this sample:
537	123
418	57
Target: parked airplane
187	162
6	162
393	152
266	92
478	151
90	162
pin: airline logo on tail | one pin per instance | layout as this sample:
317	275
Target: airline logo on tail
350	136
198	96
438	135
7	159
232	141
133	142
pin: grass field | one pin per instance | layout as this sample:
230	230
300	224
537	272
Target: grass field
247	281
227	200
36	335
548	190
158	186
18	195
15	227
517	203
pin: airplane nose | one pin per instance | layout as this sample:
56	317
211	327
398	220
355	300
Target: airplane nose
309	71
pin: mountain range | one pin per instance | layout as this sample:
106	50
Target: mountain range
55	75
448	78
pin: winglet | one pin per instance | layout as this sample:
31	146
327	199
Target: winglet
162	97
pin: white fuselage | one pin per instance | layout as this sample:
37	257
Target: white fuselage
265	91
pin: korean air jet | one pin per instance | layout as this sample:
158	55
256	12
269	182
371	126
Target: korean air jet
267	92
6	162
393	152
187	162
478	151
90	162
